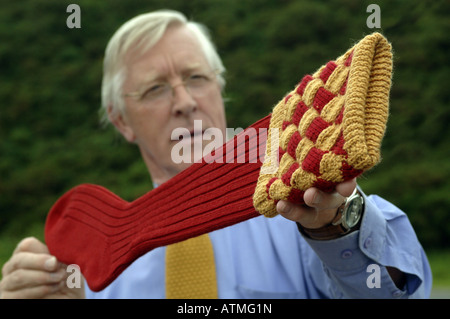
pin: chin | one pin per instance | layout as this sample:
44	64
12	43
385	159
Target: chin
182	166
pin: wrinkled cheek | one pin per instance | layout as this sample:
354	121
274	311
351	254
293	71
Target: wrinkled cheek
220	117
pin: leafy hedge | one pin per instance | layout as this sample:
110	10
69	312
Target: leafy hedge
51	139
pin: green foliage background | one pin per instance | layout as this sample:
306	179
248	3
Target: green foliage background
50	76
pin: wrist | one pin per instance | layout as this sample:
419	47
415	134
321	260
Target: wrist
347	219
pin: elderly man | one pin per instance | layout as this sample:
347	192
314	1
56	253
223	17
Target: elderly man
161	72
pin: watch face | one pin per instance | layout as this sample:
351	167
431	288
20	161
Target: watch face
353	213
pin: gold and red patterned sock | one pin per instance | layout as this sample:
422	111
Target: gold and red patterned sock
331	125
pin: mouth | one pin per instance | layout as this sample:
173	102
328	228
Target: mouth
196	133
191	135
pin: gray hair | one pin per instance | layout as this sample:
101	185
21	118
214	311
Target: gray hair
144	31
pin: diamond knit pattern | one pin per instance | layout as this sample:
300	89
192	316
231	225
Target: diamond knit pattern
330	126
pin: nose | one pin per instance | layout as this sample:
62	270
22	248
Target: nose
183	102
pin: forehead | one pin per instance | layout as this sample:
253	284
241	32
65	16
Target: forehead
177	51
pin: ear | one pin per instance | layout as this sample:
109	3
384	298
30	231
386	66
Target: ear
118	119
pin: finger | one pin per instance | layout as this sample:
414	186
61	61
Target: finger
44	291
295	212
32	261
316	198
23	279
321	200
346	188
31	244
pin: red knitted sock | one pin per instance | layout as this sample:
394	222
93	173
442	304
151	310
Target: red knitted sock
103	234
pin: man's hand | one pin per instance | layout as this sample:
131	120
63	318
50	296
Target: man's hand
320	208
32	272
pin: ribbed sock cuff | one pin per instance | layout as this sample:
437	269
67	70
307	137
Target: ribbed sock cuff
103	234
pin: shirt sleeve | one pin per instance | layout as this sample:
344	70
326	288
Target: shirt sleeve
356	263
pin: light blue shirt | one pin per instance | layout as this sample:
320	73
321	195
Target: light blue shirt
269	258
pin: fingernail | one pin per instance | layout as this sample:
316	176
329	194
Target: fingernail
56	276
283	207
50	263
317	198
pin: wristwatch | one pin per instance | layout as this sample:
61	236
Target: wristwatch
347	219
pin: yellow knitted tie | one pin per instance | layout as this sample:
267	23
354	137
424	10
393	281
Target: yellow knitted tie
190	269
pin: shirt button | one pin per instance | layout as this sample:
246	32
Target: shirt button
368	242
345	254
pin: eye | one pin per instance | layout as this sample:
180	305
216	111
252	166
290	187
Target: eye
198	76
154	90
198	79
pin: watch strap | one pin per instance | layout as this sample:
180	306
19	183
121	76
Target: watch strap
326	232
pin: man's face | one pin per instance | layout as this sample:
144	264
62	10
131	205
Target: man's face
149	123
